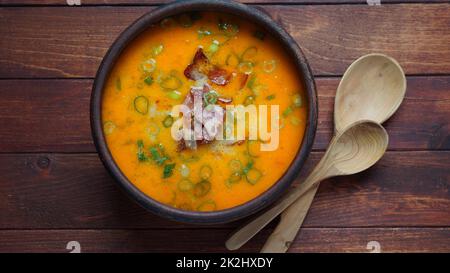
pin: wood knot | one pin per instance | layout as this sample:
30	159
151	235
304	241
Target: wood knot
43	162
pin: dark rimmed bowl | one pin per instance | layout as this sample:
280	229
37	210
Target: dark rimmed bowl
304	72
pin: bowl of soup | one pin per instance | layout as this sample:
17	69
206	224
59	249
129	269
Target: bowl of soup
204	111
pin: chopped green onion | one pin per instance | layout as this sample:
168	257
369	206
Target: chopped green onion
175	95
259	35
297	100
235	165
249	54
208	205
152	129
141	105
202	188
156	50
253	176
158	155
140	153
234	178
295	121
269	66
109	127
270	97
185	185
148	80
232	59
246	67
249	100
253	148
210	97
203	32
168	170
168	121
206	172
214	47
287	111
228	29
251	82
171	82
248	167
118	84
184	170
149	65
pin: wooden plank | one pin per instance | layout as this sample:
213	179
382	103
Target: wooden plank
53	115
158	2
45	115
75	191
198	241
70	42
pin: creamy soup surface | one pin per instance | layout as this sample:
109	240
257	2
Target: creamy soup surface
163	67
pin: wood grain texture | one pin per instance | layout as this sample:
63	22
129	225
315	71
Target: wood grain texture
53	115
309	240
157	2
70	42
45	115
53	198
74	191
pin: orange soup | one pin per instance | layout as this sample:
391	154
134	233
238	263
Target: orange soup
223	61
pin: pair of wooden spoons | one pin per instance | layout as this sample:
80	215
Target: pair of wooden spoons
369	93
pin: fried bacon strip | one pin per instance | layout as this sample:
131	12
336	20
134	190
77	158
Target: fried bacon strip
201	68
209	119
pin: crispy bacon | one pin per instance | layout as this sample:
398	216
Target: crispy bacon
219	76
244	78
201	68
210	120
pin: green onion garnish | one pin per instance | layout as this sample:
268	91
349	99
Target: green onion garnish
185	185
210	97
297	100
156	50
270	97
206	172
118	84
140	153
148	80
269	66
202	188
168	121
141	105
168	170
175	95
109	127
287	111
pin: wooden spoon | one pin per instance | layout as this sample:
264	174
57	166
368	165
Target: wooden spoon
357	148
372	88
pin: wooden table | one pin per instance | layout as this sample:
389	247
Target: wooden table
53	188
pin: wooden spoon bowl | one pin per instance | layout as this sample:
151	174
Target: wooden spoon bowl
372	88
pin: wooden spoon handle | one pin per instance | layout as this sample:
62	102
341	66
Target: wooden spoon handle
291	221
240	237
